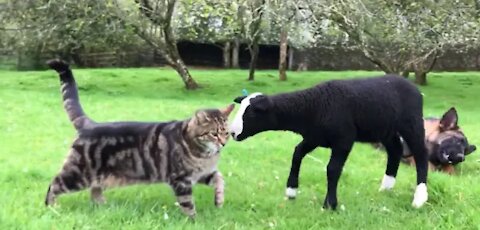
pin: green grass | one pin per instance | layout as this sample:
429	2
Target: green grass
35	135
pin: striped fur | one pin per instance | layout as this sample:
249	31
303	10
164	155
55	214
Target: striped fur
180	153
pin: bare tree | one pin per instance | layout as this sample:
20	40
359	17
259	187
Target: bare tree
283	12
153	23
251	14
282	63
397	35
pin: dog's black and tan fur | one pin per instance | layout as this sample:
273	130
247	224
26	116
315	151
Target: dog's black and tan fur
180	153
446	143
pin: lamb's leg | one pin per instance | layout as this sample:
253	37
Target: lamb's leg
216	181
414	136
334	170
302	149
394	150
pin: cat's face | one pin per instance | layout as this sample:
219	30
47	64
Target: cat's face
209	129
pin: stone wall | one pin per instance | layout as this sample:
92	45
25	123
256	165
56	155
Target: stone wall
342	59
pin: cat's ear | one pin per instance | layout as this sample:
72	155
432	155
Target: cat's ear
228	110
201	117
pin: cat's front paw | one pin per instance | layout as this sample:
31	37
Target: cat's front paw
219	185
219	200
99	200
190	212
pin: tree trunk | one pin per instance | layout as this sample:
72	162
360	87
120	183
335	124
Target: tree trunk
282	63
226	54
420	78
177	63
422	68
182	70
290	58
405	73
235	53
168	43
253	60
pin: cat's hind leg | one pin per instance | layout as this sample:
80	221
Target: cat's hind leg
183	192
96	194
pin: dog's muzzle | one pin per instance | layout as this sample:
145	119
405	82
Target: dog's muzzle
453	158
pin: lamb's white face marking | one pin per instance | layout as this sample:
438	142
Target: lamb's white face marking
420	196
236	127
387	183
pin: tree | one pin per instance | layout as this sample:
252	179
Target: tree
62	28
284	16
209	21
152	20
395	35
250	14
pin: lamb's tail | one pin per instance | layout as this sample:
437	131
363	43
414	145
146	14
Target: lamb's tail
71	101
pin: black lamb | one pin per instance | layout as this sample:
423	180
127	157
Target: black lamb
337	113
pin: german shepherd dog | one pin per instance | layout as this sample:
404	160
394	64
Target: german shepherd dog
446	143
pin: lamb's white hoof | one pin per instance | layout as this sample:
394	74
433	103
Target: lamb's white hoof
420	196
387	183
291	193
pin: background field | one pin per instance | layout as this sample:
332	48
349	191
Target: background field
35	135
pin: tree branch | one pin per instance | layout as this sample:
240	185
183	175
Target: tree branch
147	10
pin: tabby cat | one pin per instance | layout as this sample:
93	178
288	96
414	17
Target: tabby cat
103	155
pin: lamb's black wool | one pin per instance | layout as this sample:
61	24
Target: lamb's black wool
337	113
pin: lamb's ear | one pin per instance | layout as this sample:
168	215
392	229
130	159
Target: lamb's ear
449	120
260	103
239	99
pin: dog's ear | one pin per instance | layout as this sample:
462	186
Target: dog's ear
260	103
239	99
449	120
470	149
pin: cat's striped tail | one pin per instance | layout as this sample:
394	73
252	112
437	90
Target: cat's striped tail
71	101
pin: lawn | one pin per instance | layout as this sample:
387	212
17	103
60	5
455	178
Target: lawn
35	135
